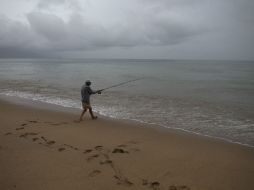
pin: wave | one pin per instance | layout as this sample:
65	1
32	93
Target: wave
102	110
69	103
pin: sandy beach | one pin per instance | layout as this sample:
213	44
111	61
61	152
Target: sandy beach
44	148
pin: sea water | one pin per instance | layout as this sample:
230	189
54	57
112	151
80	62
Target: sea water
213	98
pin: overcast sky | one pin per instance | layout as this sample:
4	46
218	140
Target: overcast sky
166	29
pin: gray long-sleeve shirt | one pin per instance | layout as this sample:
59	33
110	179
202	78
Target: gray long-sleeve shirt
86	91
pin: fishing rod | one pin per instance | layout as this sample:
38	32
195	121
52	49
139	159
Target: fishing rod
122	83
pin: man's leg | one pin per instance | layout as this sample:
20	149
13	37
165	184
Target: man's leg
91	113
82	114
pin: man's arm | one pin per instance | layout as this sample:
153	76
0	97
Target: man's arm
90	91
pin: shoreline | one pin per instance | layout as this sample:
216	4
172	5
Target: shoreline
54	107
42	148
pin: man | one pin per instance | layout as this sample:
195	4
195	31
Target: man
86	92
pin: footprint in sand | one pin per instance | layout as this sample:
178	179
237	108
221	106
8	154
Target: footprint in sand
61	149
87	151
43	138
99	148
23	124
33	121
27	134
70	146
121	180
48	142
119	150
9	133
94	173
92	157
172	187
35	139
51	142
181	187
155	185
20	128
129	147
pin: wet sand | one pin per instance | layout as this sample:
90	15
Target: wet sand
44	148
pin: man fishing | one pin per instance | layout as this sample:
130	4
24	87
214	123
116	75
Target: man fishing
86	92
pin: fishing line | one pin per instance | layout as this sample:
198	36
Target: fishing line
122	83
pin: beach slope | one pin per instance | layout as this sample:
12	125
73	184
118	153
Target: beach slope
45	149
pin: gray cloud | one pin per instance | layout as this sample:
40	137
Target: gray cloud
47	26
45	4
185	25
54	33
71	4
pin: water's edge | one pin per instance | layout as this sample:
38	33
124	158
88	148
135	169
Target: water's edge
15	98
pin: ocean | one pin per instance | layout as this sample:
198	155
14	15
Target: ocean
210	98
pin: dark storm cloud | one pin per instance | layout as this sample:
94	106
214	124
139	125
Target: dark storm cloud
47	31
19	52
141	23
